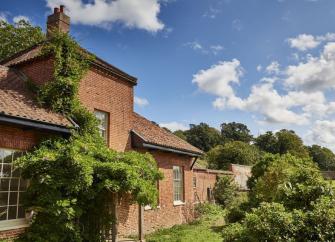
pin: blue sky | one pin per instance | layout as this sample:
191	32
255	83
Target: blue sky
267	63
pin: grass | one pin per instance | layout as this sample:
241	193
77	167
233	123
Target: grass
206	229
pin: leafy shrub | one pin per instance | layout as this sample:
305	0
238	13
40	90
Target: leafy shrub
234	232
225	190
208	209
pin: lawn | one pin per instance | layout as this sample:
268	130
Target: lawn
207	229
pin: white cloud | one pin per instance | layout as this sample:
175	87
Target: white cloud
259	68
212	12
173	126
18	18
273	68
237	24
316	73
292	107
323	133
3	16
132	13
212	49
217	79
305	42
141	102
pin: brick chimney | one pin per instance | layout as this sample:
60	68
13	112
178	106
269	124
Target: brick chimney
58	21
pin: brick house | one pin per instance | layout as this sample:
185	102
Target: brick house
109	93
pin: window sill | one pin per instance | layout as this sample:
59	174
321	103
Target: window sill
13	224
178	203
148	207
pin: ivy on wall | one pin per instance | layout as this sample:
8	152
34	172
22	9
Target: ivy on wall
74	180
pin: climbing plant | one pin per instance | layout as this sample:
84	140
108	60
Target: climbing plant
74	180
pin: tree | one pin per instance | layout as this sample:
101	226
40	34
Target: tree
203	136
180	134
235	132
282	142
323	156
17	37
267	142
290	142
225	190
236	152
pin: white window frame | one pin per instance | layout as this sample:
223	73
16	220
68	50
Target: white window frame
103	128
178	185
9	224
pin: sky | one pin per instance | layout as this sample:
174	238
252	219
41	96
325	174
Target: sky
269	64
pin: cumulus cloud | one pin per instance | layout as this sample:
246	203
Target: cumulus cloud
293	107
173	126
18	18
141	102
273	68
316	73
305	42
132	13
323	133
3	16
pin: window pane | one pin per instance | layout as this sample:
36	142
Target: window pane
12	211
3	213
103	125
7	156
178	189
3	198
6	170
4	184
23	185
14	184
21	213
13	198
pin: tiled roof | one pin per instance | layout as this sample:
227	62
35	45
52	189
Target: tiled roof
35	51
17	101
153	134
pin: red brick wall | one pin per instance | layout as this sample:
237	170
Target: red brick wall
204	180
112	95
11	234
13	137
39	71
167	214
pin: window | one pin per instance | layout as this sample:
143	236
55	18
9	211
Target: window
178	184
12	187
103	126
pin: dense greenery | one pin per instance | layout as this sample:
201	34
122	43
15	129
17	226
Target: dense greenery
324	157
225	190
202	136
282	142
18	37
235	132
236	152
289	201
74	181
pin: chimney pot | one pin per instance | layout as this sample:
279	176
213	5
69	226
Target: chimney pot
56	10
62	8
58	21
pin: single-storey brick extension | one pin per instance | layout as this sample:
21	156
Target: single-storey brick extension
109	93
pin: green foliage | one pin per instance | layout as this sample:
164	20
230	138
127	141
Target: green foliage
225	190
180	134
322	156
235	132
294	182
73	181
205	210
282	142
203	136
236	152
17	37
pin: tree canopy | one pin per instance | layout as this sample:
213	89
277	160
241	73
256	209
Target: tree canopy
17	37
203	136
235	132
236	152
323	156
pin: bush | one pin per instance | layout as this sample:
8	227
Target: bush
234	232
204	210
225	190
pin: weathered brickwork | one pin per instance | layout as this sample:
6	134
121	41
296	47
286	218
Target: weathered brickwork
166	215
9	235
204	181
39	71
115	96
